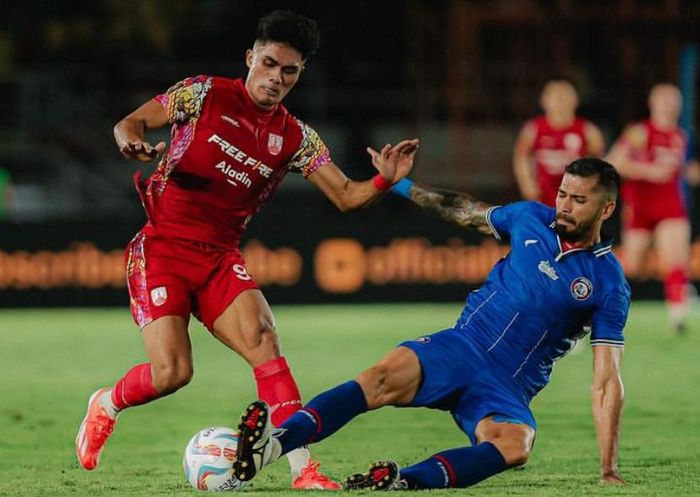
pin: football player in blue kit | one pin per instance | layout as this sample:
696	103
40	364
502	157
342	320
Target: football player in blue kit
559	282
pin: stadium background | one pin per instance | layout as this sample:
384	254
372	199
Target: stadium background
461	75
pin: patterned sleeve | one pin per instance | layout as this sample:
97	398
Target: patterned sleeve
502	218
610	317
312	153
185	99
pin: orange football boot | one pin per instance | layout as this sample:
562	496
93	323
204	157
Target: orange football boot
94	431
312	479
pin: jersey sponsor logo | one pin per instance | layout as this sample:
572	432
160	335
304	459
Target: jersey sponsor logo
546	268
239	156
422	340
159	296
231	120
530	242
274	144
233	176
581	288
241	272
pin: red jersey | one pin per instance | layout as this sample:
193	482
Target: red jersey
652	146
553	150
227	157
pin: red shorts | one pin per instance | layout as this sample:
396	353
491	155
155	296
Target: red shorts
175	278
647	215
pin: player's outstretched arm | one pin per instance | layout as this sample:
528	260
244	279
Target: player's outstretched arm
595	142
392	164
607	395
457	207
522	163
129	132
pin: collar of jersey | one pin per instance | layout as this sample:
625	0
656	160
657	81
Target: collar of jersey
604	246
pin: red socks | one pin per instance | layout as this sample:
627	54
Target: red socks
277	387
676	286
134	388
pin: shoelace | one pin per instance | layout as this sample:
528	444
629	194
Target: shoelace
311	469
400	485
101	427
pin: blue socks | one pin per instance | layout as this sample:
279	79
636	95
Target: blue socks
322	416
328	412
456	467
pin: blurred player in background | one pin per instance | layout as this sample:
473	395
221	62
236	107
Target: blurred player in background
232	143
650	156
547	143
559	277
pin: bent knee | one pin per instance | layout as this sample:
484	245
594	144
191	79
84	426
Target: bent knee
168	378
260	342
513	441
516	456
382	386
258	333
373	382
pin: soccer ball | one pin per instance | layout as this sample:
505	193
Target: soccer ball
208	460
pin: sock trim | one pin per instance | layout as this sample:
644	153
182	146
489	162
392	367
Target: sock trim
270	368
319	422
450	470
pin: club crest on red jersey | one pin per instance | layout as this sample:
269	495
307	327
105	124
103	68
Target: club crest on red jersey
572	141
581	288
274	143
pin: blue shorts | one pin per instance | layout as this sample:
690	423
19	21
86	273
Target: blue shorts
458	378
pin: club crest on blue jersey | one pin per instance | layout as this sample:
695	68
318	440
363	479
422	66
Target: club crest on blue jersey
422	340
581	288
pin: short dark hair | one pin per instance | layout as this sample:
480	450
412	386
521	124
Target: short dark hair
560	78
608	177
285	26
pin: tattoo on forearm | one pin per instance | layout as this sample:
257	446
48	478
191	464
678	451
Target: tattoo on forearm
452	206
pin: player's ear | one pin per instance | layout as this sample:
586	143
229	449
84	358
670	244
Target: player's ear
249	58
608	209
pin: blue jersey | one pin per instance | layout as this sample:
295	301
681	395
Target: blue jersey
539	300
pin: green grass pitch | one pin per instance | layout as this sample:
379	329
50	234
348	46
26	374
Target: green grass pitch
52	360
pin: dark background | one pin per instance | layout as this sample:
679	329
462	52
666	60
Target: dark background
461	75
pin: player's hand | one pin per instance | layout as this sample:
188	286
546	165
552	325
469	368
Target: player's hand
140	150
611	478
394	163
692	173
406	151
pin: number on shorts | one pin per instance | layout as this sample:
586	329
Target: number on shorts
241	272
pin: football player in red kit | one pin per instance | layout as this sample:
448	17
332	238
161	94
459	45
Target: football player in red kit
547	143
232	143
650	156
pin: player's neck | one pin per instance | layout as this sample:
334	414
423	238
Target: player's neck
663	124
254	105
560	120
584	243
